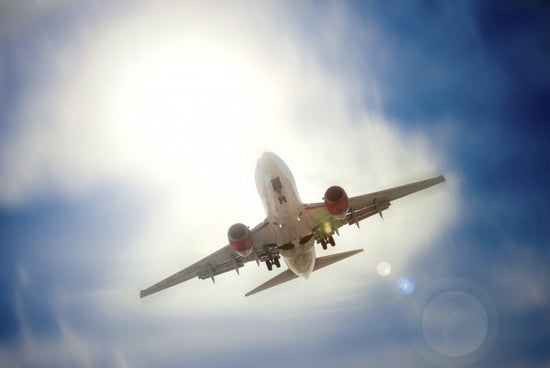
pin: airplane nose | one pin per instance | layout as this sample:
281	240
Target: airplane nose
266	160
266	156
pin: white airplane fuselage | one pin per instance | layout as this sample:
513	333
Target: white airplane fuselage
286	214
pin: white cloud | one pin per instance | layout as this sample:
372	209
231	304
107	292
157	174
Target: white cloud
17	16
519	278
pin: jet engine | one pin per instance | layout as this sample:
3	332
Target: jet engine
240	239
337	202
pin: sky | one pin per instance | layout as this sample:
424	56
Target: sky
129	134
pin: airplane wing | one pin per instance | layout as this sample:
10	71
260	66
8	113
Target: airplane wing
221	261
363	206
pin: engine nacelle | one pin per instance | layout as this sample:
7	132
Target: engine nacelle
337	202
240	239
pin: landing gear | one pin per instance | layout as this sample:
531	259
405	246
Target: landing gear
269	263
328	240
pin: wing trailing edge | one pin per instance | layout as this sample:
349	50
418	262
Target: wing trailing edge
288	275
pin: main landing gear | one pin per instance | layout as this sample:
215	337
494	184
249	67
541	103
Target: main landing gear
269	263
327	240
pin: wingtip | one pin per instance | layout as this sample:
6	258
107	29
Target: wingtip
438	179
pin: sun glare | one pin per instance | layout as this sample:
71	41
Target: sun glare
185	98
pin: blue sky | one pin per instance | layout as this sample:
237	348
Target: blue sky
128	139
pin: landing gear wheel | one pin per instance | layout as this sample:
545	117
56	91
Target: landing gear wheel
277	262
331	241
269	265
324	244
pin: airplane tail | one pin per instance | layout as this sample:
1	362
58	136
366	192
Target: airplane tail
288	275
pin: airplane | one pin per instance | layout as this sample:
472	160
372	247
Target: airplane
290	229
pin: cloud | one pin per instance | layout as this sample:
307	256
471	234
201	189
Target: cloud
525	277
174	103
17	17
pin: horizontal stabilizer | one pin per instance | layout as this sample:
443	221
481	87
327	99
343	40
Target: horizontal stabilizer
333	258
289	275
277	280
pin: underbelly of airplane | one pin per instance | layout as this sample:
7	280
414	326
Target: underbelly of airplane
294	238
300	259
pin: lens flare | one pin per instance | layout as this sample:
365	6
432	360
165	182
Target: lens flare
453	323
383	268
405	285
